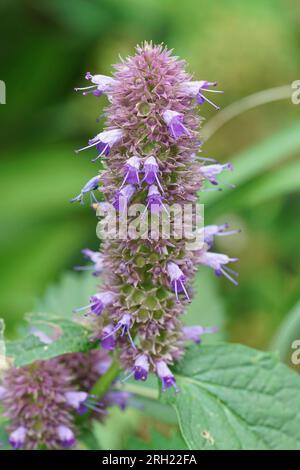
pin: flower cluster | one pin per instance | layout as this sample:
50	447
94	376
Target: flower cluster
41	400
150	153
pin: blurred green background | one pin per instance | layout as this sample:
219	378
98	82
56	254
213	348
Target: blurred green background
250	46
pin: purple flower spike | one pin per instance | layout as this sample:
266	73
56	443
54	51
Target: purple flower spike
76	400
196	88
216	261
66	436
211	171
131	170
177	279
102	84
141	368
17	437
98	302
174	120
124	325
122	197
151	170
210	231
96	258
194	333
104	142
108	340
166	376
89	187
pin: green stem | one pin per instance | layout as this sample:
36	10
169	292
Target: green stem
105	381
246	103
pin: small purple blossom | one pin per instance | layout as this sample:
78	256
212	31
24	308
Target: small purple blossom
17	437
102	84
98	302
76	400
211	171
124	325
122	197
66	436
194	333
154	200
177	279
104	142
97	259
196	88
108	340
210	231
216	261
131	171
141	367
151	171
89	187
118	398
174	121
166	376
2	392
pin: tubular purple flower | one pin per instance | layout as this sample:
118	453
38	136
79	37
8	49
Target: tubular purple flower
118	398
102	84
151	171
177	279
174	121
131	171
210	231
216	261
89	187
194	333
104	142
141	367
196	88
96	258
122	197
98	302
17	437
211	171
66	436
124	325
166	376
2	392
108	340
76	399
154	200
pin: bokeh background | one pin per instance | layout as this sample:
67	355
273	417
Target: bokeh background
250	46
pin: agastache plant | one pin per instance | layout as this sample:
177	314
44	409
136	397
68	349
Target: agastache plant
149	150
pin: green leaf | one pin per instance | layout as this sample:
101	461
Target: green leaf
157	441
288	332
235	397
73	338
258	159
72	291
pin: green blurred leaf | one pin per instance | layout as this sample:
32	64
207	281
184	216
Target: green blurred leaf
73	338
235	397
73	290
157	441
288	332
258	159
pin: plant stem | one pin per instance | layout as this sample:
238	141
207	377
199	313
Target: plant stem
239	107
105	381
145	392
